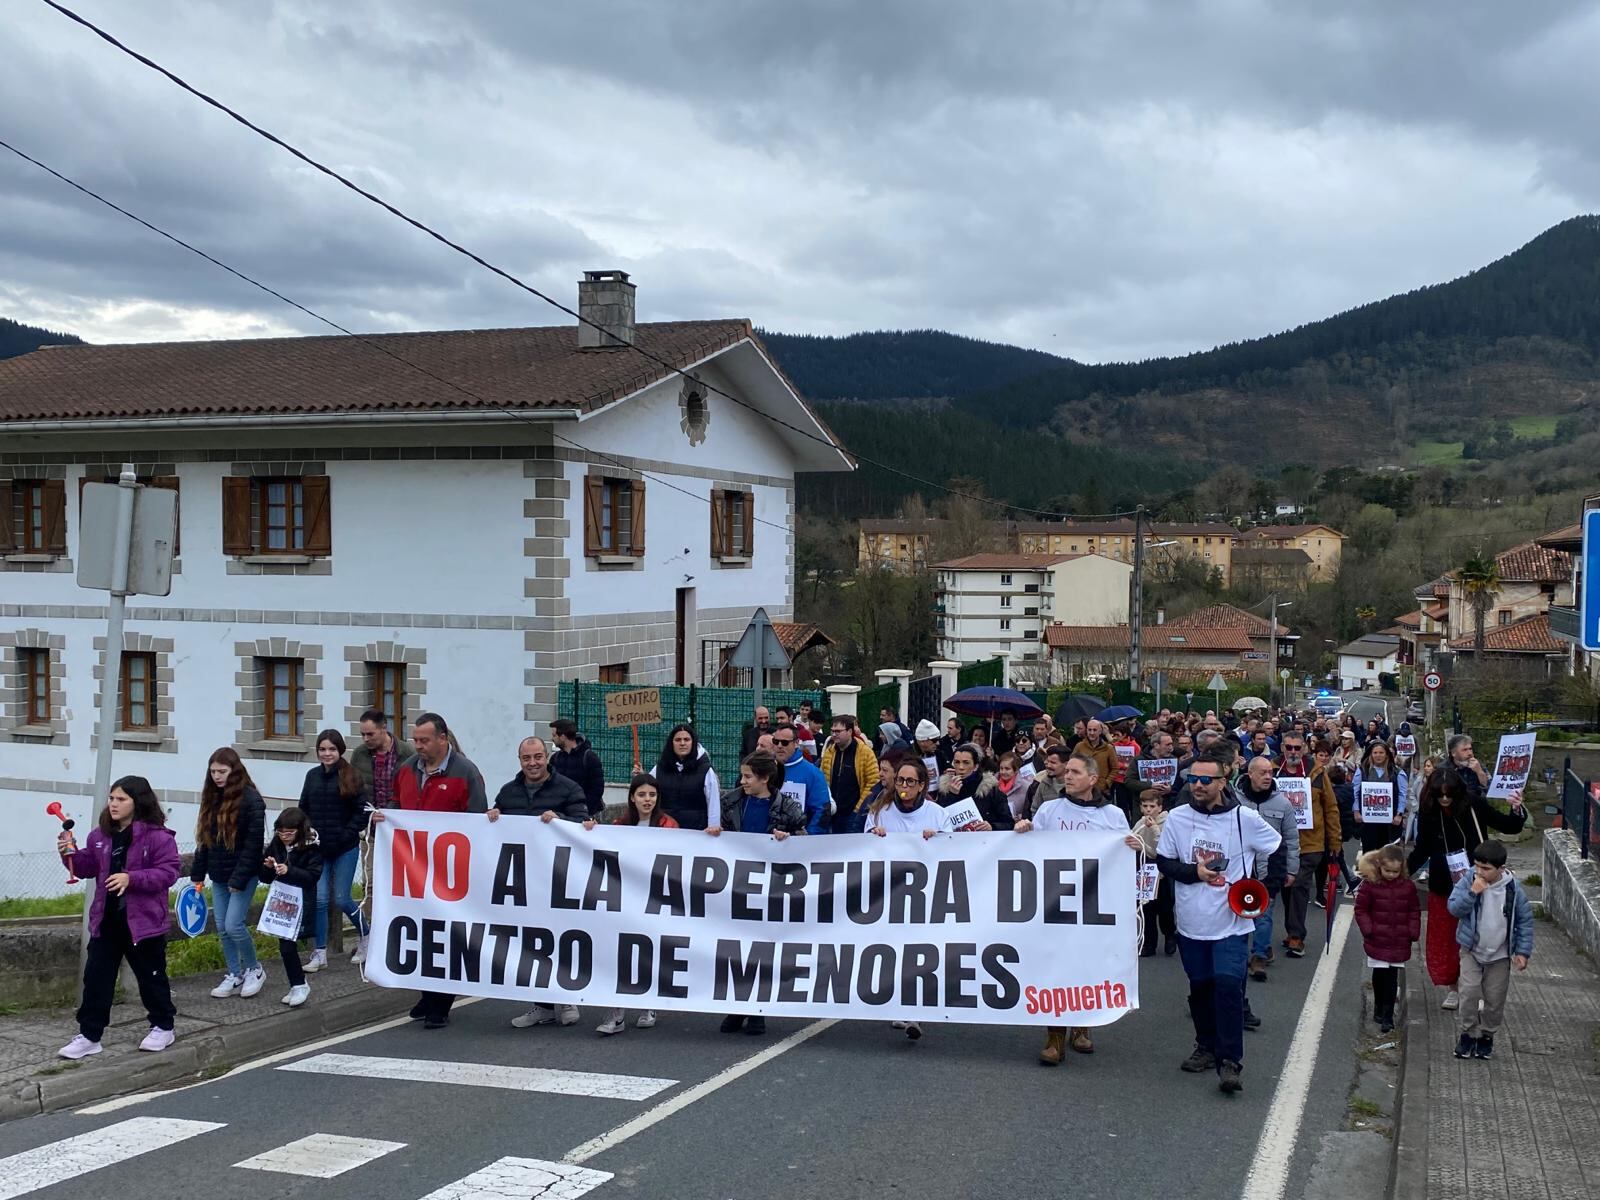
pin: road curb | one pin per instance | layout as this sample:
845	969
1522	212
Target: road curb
219	1048
1408	1174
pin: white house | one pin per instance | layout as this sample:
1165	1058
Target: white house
1363	660
989	603
452	521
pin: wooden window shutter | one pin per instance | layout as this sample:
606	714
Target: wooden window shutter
236	539
591	514
719	523
170	483
638	517
319	514
8	534
55	516
749	501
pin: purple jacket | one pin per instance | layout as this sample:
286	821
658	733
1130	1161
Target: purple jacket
152	870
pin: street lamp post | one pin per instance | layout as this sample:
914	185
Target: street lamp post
1272	653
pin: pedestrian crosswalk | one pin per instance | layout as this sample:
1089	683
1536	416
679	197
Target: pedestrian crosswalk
520	1178
321	1155
71	1157
493	1075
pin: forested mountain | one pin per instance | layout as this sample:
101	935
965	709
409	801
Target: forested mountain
16	338
915	364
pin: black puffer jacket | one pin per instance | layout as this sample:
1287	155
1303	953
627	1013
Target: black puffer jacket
337	819
520	798
305	869
233	867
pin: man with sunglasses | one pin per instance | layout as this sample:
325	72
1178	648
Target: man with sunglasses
1206	846
1324	837
802	780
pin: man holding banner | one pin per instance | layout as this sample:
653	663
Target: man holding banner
1207	846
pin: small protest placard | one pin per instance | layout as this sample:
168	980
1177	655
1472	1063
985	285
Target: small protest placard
1297	791
963	814
280	915
1405	745
1159	772
1377	803
641	706
1512	762
1149	881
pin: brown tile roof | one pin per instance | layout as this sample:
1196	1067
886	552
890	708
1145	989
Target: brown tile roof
1410	622
1226	616
1006	562
1533	563
1279	532
795	637
1531	635
1166	637
1437	612
1568	537
505	368
1124	528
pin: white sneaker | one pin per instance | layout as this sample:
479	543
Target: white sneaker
359	954
897	1024
647	1019
1451	999
254	980
568	1013
158	1039
298	995
615	1023
534	1016
228	986
79	1047
318	960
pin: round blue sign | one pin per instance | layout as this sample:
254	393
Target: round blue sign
192	910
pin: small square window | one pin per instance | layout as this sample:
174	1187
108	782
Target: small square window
614	673
283	681
138	691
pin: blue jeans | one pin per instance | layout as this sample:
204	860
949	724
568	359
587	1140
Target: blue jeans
1216	972
231	911
1261	942
336	878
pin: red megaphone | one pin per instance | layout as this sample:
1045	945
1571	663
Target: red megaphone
55	810
1249	898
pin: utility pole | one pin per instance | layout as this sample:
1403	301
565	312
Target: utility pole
1272	654
1136	602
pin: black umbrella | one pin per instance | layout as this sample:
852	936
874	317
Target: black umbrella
1079	706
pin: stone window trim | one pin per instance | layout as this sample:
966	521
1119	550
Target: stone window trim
250	738
14	556
14	725
359	661
162	737
694	408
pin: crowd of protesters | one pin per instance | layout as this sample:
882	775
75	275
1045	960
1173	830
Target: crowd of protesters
1200	795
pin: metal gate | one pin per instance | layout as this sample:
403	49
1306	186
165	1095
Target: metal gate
922	701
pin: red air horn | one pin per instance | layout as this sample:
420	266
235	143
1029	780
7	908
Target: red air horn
55	810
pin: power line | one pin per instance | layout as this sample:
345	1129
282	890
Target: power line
332	324
515	281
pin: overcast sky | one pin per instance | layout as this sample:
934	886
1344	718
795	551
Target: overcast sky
1105	180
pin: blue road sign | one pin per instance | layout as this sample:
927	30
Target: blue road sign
1590	633
192	911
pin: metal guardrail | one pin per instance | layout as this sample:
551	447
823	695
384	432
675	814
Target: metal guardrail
1580	809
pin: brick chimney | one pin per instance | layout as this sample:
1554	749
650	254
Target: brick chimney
605	298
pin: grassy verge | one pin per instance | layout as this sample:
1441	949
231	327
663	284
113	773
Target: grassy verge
42	906
203	955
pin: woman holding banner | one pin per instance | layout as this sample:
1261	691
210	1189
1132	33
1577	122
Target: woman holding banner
1379	777
687	782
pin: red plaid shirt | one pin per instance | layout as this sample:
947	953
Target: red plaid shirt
384	763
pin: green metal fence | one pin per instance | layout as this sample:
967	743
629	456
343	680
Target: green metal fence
872	699
989	673
718	715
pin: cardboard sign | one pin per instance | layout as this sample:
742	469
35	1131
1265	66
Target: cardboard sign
280	915
1149	881
1297	791
963	814
1159	772
1512	762
1377	803
1456	860
1405	746
639	707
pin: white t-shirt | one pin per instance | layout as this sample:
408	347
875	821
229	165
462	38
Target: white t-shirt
1063	813
890	819
1202	909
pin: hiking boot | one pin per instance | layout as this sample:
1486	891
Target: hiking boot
756	1026
1080	1041
1251	1021
1228	1077
1466	1046
1201	1060
1055	1047
1295	947
1257	967
1485	1047
732	1024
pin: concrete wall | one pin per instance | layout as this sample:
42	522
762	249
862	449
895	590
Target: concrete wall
1092	590
1572	890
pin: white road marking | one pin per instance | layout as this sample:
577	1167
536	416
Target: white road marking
520	1178
338	1039
1269	1172
321	1155
514	1079
688	1096
71	1157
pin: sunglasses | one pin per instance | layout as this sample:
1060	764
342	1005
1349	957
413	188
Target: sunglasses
1202	780
783	741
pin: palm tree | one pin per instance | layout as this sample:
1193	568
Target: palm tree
1480	579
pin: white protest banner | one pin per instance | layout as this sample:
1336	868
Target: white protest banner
1159	772
1149	882
1377	803
963	814
1512	763
280	912
1405	745
1297	791
985	928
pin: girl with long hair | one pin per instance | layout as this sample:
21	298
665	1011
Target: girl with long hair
336	801
133	859
1378	767
228	835
686	781
644	808
295	856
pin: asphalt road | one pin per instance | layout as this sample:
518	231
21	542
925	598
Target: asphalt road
855	1111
